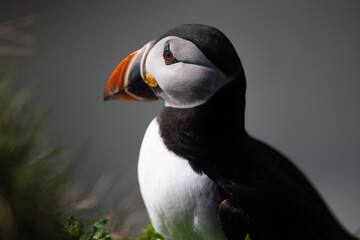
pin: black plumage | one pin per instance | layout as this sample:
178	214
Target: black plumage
264	193
213	43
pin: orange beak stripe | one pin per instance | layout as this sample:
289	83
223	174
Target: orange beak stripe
116	86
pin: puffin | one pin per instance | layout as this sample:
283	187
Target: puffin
201	175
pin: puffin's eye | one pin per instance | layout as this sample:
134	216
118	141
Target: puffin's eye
168	55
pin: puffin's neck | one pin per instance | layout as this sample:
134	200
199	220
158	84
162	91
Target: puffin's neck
190	132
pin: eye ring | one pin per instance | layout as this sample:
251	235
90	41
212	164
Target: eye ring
168	55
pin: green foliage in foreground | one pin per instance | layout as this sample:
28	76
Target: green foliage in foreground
149	233
33	176
74	230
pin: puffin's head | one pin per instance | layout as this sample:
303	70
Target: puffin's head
185	67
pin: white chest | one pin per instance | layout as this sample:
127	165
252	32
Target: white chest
181	203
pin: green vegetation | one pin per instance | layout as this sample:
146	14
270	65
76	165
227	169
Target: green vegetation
33	175
74	230
149	233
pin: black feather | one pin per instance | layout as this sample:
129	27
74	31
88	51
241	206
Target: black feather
265	194
257	180
213	43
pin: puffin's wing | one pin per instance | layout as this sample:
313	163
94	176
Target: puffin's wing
235	223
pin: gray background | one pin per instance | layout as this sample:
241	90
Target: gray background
301	58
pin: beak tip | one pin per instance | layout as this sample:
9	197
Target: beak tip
107	96
113	96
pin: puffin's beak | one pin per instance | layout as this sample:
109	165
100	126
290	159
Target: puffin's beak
127	82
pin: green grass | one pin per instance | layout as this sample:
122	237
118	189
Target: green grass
74	230
33	175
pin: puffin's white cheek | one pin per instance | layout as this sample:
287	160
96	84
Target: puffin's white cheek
155	65
195	78
191	85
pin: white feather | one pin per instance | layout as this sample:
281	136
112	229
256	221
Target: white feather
191	81
181	203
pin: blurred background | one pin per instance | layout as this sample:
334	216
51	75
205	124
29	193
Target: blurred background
301	59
